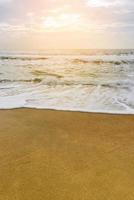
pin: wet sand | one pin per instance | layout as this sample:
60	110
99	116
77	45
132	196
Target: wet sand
55	155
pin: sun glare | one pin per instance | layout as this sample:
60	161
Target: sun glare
60	21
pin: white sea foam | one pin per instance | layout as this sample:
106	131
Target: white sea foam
98	81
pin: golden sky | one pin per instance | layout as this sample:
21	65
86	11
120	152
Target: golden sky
66	24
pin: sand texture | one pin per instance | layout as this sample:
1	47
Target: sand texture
55	155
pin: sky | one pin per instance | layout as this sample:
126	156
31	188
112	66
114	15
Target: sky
66	24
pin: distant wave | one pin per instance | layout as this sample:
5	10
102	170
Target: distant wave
21	58
99	62
77	61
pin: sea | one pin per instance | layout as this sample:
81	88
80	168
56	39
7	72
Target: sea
73	80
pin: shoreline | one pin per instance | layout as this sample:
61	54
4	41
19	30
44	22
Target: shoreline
70	111
61	155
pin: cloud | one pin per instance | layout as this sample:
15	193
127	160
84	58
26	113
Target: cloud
83	17
5	1
102	3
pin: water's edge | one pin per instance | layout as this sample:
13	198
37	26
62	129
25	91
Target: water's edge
70	111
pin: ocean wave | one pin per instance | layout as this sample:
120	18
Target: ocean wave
42	73
36	80
85	81
22	58
54	81
99	62
80	61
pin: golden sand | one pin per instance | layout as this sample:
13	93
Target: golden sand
54	155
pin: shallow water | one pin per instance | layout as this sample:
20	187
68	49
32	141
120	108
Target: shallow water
79	80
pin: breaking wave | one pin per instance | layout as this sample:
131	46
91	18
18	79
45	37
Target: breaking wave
99	62
84	80
36	80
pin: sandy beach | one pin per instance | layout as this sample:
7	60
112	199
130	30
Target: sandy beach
56	155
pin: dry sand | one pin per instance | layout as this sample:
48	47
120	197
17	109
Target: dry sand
54	155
